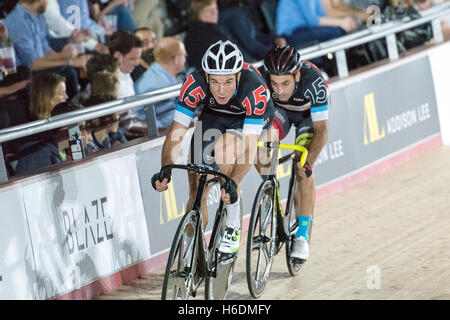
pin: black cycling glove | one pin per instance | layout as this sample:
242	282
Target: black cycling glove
230	187
164	173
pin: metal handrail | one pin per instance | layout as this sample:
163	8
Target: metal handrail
152	97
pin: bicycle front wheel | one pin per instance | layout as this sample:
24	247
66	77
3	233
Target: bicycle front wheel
216	288
181	265
261	239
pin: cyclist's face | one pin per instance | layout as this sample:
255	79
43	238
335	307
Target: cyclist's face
222	87
284	85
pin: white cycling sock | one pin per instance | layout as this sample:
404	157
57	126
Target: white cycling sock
233	214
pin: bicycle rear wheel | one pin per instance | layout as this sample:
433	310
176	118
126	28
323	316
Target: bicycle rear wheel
261	239
180	266
216	288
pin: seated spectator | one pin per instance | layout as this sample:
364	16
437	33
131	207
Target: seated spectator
38	151
14	97
63	134
149	40
236	20
62	31
146	15
305	22
13	79
203	31
47	148
86	23
170	58
102	63
26	27
47	90
127	49
115	8
105	131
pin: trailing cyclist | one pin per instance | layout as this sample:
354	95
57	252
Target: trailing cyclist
235	109
301	99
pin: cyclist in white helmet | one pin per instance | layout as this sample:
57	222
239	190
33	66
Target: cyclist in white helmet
235	109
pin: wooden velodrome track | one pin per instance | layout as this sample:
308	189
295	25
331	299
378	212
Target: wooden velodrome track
386	238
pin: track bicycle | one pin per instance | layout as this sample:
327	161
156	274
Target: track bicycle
270	226
191	260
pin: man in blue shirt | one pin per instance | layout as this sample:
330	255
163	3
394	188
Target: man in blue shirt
27	28
303	22
170	58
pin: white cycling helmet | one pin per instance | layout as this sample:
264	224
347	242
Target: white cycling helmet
222	58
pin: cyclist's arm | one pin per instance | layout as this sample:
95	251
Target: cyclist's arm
318	141
172	144
190	96
317	92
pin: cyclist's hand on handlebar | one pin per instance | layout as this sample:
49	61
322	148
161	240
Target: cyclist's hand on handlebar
161	179
306	171
229	192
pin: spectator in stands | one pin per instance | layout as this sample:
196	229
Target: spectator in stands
306	22
63	132
116	8
67	10
102	63
203	31
38	151
236	19
170	58
104	130
146	15
47	90
148	38
127	49
62	31
14	98
46	148
26	27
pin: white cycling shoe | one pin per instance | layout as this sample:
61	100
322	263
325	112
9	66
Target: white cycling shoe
300	249
230	240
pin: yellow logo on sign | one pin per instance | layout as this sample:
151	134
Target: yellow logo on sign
171	205
371	127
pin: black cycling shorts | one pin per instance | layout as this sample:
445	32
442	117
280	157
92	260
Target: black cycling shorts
211	127
304	130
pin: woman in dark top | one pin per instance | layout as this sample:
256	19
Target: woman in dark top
237	19
203	32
